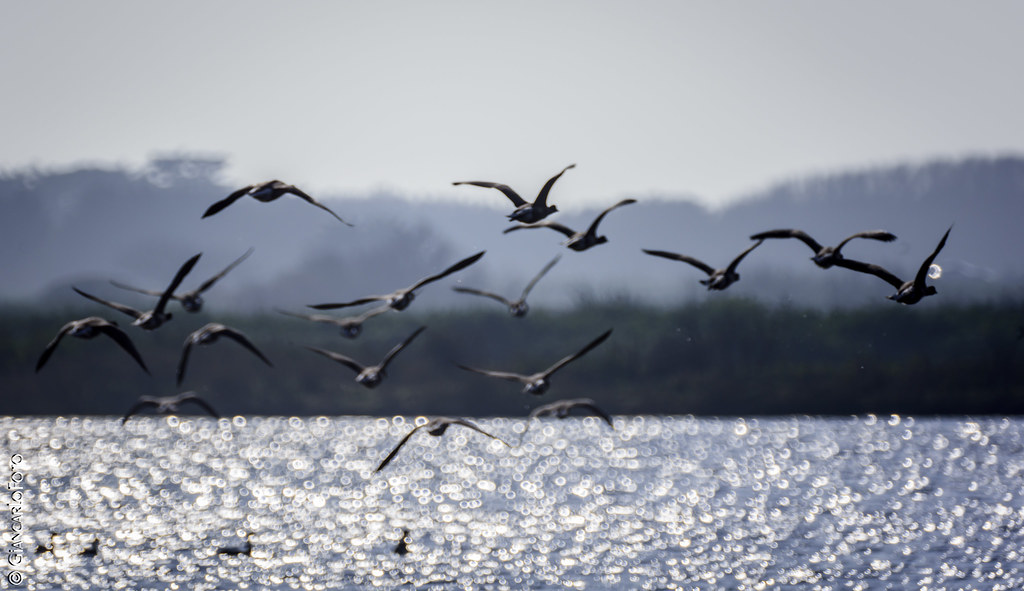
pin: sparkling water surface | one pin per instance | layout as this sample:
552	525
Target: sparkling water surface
657	503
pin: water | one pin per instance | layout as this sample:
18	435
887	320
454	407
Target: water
658	503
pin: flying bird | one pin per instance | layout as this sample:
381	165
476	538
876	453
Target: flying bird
578	241
154	318
907	292
351	326
89	328
266	192
400	299
538	383
718	279
209	334
369	375
436	428
561	409
191	301
165	405
824	256
525	212
516	307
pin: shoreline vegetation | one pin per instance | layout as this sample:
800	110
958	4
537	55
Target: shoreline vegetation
720	357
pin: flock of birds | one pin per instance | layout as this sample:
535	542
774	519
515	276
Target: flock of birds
526	215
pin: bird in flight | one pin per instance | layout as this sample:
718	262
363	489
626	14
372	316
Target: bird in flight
169	404
718	279
156	317
369	375
578	241
525	212
436	428
824	256
351	326
209	334
517	307
907	292
191	301
266	192
89	328
539	382
561	409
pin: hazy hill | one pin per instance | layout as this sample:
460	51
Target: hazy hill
86	226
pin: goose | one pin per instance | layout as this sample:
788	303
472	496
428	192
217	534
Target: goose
369	375
209	334
89	328
266	192
243	550
191	301
578	241
516	307
824	256
400	299
168	404
538	383
907	292
525	212
156	317
718	279
436	428
561	409
351	326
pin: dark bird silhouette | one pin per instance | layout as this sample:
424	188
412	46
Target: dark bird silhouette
369	375
47	549
518	306
168	404
191	301
436	428
156	317
907	292
578	241
525	212
351	326
266	192
243	550
538	383
400	299
210	334
824	256
92	549
718	279
561	409
89	328
402	547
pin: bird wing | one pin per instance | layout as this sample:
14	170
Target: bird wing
566	360
870	269
736	261
477	429
394	350
149	292
456	267
366	315
593	226
142	403
480	292
111	330
119	307
569	232
216	207
394	451
323	318
52	345
503	375
360	301
542	197
209	282
589	405
302	194
346	361
922	273
178	277
872	234
241	339
547	267
185	352
512	195
192	397
790	233
682	257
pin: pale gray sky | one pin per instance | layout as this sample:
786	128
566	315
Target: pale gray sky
714	99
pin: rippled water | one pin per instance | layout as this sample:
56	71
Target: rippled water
658	503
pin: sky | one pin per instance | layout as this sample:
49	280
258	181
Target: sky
706	100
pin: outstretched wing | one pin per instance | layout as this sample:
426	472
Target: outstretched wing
483	293
141	404
209	282
682	257
394	350
185	352
566	360
346	361
119	336
790	233
360	301
593	226
589	405
216	207
542	197
736	261
52	345
456	267
922	273
512	195
192	397
543	272
302	194
870	269
178	277
241	339
119	307
502	375
569	232
872	234
477	429
149	292
394	452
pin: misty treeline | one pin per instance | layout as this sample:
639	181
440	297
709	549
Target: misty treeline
725	356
